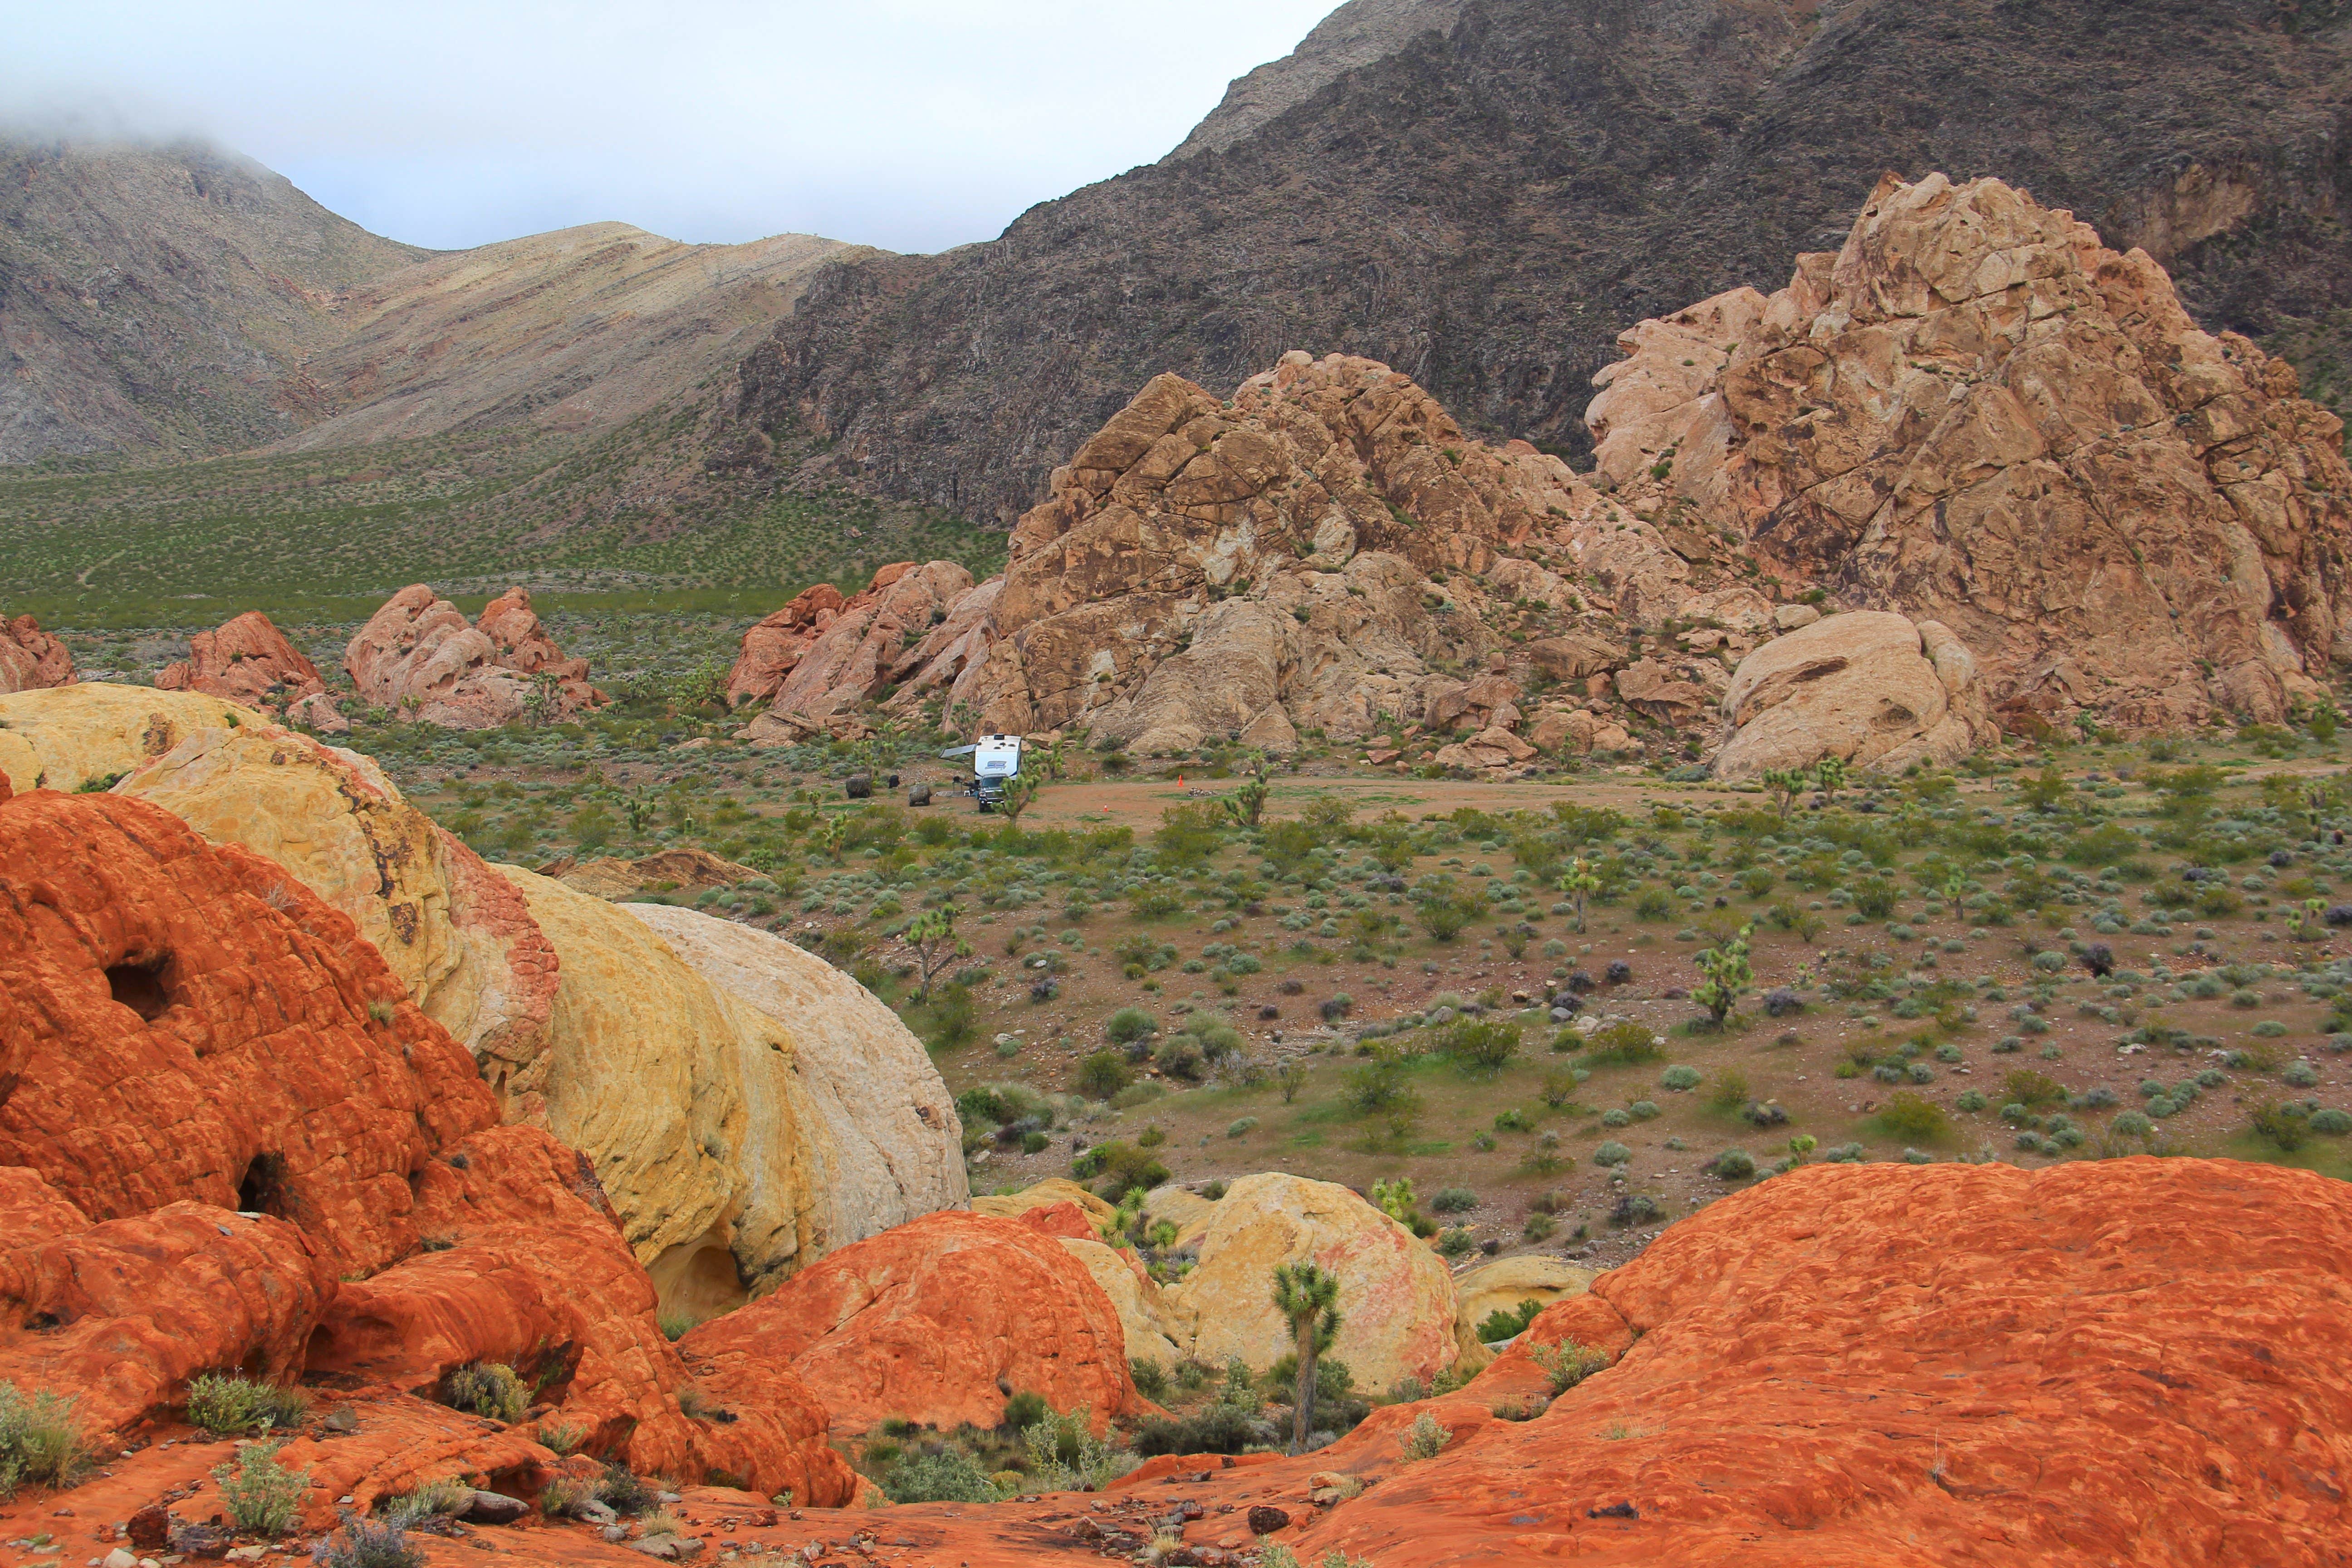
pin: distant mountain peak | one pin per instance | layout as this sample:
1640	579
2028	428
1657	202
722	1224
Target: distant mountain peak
1358	34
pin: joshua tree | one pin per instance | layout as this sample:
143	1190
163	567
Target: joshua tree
933	938
1727	976
1306	1296
1247	804
1784	785
1828	776
1580	880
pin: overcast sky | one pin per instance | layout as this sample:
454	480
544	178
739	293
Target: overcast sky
913	124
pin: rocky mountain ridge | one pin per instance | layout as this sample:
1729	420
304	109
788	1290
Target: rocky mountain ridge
2039	485
1483	208
169	302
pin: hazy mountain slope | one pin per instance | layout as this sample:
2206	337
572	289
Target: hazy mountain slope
1485	209
154	298
583	327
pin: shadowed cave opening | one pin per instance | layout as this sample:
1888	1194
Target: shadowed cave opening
140	987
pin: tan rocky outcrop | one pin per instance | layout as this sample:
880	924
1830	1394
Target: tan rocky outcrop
885	1140
1203	570
691	870
1396	1296
419	658
1868	687
30	658
64	737
716	1143
247	659
1045	1195
1976	414
1505	1284
1149	1327
851	658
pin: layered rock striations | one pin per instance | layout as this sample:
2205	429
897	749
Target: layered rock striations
734	1141
419	658
228	1140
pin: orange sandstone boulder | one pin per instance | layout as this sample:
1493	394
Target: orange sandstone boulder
231	1140
932	1320
854	655
31	658
247	661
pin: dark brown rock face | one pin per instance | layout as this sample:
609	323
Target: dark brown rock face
1486	207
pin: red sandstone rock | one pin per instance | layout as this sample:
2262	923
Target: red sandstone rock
30	658
418	656
926	1321
246	661
186	1033
772	648
854	655
1063	1218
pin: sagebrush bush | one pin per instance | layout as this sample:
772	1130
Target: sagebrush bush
1453	1200
375	1544
260	1495
1425	1439
949	1475
38	1442
488	1389
1913	1119
229	1405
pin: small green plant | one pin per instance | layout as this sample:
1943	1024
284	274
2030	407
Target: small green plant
563	1438
1507	1324
488	1389
932	936
377	1543
1913	1119
37	1440
1129	1024
622	1490
1567	1363
260	1495
1425	1439
229	1406
1579	880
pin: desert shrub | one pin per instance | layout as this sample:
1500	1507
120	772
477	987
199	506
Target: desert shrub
1123	1166
37	1440
1507	1324
2032	1089
2279	1126
1612	1153
1242	1126
1101	1075
1635	1208
488	1389
1425	1439
1479	1042
1913	1119
1150	1377
1730	1091
1567	1363
373	1543
228	1405
1453	1200
2333	1122
949	1476
1622	1045
1679	1078
1732	1165
1220	1428
1129	1024
621	1490
259	1494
